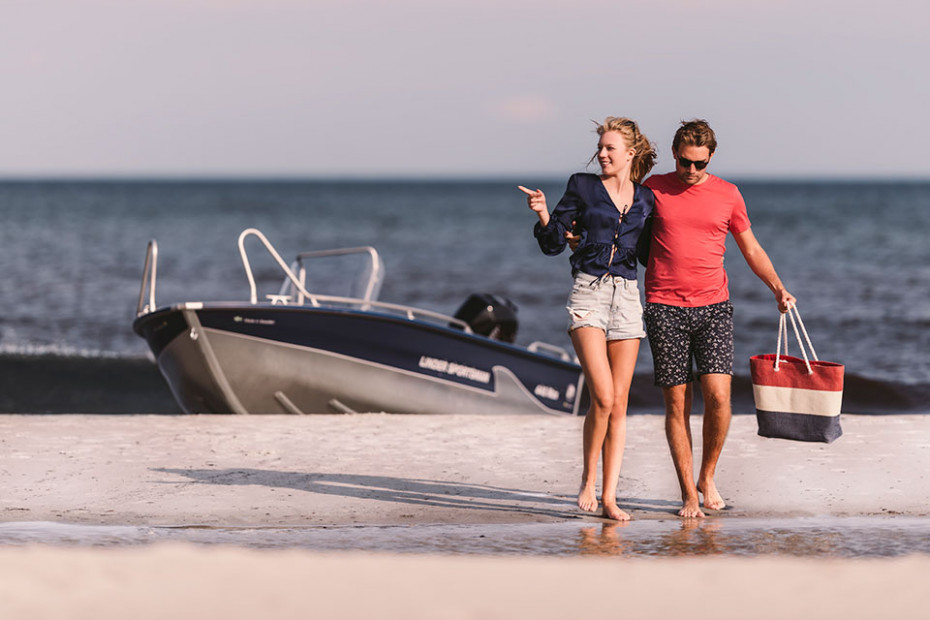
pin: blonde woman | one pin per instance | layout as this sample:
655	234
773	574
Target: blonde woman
609	212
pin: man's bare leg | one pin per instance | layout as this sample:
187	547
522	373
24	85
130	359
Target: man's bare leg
717	415
622	355
678	432
591	347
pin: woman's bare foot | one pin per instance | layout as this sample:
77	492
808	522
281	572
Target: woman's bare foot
612	511
712	499
587	498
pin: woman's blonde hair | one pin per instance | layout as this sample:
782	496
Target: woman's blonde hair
645	157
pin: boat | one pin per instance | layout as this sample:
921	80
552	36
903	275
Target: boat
300	352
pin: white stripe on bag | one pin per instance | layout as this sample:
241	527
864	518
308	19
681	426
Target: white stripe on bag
797	400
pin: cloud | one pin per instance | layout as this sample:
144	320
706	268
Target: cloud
527	109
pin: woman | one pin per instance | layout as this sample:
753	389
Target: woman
609	212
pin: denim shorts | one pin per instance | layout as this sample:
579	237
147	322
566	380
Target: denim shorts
609	303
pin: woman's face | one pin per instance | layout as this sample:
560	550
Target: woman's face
613	154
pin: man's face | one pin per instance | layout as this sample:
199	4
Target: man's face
693	157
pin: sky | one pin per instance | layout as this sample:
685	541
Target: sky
477	88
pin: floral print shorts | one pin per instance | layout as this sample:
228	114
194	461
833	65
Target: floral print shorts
679	335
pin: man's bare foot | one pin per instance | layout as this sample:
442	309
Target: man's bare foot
612	511
587	498
712	499
691	509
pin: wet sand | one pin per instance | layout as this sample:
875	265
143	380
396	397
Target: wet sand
396	470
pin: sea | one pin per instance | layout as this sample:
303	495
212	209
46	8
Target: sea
854	253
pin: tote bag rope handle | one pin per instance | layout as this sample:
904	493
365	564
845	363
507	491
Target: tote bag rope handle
783	335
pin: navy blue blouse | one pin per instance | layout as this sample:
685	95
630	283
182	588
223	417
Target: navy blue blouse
609	243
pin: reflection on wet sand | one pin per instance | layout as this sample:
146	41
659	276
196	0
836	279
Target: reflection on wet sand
691	537
706	537
825	537
603	540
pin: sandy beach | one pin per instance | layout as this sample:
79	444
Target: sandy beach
391	469
222	583
380	469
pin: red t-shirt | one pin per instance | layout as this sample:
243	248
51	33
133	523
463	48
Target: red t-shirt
689	233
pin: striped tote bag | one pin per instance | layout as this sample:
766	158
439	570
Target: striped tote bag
797	398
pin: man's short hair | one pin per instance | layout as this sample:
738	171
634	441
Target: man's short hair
696	132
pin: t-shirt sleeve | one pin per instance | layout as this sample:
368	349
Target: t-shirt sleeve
739	218
551	237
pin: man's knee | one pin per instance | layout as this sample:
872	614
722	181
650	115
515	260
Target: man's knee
676	400
716	391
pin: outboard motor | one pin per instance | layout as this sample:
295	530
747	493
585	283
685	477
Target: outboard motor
490	315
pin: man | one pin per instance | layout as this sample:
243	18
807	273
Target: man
688	313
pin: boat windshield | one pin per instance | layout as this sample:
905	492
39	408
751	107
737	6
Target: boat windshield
357	273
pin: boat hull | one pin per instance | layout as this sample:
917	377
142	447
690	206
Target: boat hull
274	359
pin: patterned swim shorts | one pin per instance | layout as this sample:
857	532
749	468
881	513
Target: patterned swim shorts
679	335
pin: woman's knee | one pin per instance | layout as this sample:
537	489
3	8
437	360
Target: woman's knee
620	402
602	400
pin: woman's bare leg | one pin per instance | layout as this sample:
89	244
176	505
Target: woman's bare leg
591	347
622	358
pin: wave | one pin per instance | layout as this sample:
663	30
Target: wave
58	350
84	383
103	383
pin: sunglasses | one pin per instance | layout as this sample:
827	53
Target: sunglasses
687	163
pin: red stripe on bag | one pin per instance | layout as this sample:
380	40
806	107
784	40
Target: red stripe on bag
792	373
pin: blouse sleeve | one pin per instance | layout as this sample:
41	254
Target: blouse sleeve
551	238
645	236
